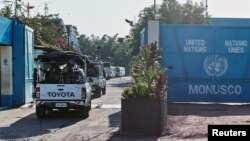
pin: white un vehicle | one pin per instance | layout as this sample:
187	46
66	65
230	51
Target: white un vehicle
63	83
96	77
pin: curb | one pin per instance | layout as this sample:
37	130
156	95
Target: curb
4	108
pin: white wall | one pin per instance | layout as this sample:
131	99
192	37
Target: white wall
154	32
6	70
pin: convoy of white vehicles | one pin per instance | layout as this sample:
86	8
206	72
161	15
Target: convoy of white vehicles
69	80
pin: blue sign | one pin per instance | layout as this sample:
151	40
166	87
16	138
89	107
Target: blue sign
210	63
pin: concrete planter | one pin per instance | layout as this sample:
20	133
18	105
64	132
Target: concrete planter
143	117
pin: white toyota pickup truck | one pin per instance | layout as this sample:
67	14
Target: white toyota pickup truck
60	88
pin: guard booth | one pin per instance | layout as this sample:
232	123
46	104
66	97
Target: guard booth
210	62
23	64
16	53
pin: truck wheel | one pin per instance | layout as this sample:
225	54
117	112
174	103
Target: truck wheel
108	77
40	111
99	92
84	112
89	107
104	90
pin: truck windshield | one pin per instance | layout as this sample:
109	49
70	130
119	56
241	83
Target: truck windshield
117	69
93	71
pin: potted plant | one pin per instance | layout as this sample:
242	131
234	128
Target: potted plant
143	109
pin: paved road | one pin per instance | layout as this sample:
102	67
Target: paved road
102	124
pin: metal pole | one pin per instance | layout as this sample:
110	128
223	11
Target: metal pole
154	8
206	10
15	9
68	39
28	9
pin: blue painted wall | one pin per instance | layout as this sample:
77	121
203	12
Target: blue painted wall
18	64
23	64
29	66
230	21
22	52
6	100
144	37
5	31
5	40
210	63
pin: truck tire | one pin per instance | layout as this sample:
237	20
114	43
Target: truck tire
84	112
40	111
98	92
104	90
89	107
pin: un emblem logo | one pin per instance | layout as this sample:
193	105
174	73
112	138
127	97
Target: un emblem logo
215	65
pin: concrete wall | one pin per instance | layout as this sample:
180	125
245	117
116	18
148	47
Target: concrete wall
153	32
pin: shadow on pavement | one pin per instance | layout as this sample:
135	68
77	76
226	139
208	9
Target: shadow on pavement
115	119
31	126
207	110
121	84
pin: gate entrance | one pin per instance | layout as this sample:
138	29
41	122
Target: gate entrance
210	63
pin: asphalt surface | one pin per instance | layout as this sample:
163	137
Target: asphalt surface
185	121
21	123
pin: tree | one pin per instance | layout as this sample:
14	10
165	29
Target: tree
193	13
6	12
170	12
110	47
145	15
47	29
85	44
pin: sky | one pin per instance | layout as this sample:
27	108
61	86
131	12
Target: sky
101	17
